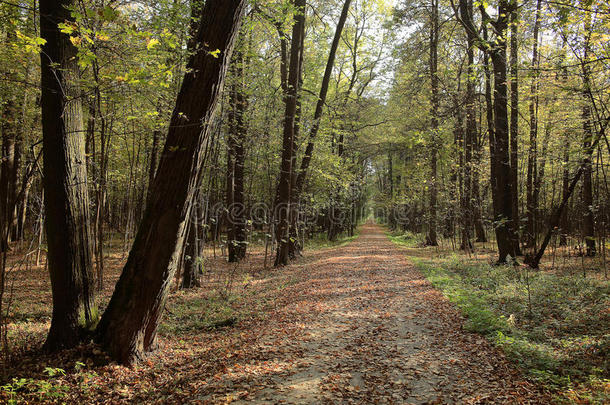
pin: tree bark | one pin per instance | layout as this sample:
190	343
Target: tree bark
506	239
284	190
565	186
532	160
236	240
7	168
128	327
588	226
193	250
65	182
469	212
431	237
514	121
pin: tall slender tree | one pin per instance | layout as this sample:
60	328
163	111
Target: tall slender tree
532	157
236	159
588	225
284	190
514	120
431	237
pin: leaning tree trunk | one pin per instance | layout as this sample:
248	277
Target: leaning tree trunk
65	182
313	132
302	172
128	328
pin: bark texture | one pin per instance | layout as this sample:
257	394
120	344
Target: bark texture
65	182
128	328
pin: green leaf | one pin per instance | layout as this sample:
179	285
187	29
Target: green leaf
109	14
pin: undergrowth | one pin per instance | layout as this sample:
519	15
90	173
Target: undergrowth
320	241
556	327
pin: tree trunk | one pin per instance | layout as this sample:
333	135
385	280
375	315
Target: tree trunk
321	99
514	122
284	190
128	327
565	185
506	239
588	227
236	240
469	213
532	160
193	250
534	261
7	168
65	182
431	237
154	151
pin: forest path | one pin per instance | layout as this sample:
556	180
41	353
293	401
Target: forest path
365	326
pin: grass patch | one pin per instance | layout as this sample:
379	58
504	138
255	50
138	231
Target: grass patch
406	239
191	313
556	327
320	241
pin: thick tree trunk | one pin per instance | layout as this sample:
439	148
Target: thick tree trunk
506	238
284	190
128	327
65	182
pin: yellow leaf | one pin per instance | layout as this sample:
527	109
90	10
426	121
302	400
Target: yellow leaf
150	43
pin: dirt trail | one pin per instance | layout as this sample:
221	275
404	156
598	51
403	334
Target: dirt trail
365	327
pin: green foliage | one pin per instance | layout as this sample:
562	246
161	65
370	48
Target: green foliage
43	390
196	314
554	327
320	241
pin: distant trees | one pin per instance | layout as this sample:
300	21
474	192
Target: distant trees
550	119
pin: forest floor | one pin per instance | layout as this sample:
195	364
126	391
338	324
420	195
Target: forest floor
356	323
